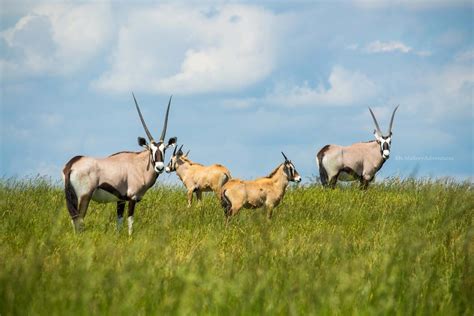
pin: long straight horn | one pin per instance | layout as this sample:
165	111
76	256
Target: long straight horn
286	159
188	152
150	138
391	121
377	127
180	151
174	151
163	133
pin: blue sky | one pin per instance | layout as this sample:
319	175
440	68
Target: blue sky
249	80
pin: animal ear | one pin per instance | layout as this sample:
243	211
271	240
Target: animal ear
172	142
142	142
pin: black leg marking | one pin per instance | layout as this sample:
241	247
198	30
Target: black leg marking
131	207
120	208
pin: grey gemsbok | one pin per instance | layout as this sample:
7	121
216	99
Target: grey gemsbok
121	177
196	177
264	192
359	161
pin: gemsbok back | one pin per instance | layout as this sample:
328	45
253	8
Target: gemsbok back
121	177
359	161
264	192
196	177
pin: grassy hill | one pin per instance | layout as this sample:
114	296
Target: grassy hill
402	247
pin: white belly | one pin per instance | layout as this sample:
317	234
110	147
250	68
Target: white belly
103	196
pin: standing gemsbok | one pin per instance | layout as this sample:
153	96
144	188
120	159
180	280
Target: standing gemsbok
267	191
196	177
359	161
121	177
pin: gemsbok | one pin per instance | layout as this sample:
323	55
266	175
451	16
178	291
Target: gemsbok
121	177
359	161
264	192
196	177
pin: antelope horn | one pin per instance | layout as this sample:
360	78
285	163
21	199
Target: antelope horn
286	159
187	153
377	127
163	133
391	121
179	150
174	151
150	138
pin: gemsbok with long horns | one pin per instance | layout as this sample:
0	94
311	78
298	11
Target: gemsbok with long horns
359	161
264	192
121	177
196	177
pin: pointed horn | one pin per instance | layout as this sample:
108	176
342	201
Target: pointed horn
180	150
150	138
188	152
163	133
174	151
391	120
377	127
286	159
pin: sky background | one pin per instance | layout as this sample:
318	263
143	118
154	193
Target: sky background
248	79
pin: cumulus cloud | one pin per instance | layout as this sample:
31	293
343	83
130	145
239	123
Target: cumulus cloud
345	88
55	39
442	94
183	49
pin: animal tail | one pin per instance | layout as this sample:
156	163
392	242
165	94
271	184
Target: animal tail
323	175
71	196
226	203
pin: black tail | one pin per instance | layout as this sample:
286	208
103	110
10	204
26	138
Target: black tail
70	193
226	203
323	175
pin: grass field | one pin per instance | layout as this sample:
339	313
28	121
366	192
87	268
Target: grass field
399	248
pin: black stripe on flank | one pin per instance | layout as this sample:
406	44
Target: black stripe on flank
112	190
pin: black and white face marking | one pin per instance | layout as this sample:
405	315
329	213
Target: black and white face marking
291	172
158	155
385	143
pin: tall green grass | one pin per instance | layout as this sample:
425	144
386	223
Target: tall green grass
401	247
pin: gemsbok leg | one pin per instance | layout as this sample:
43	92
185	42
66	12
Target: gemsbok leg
131	210
120	210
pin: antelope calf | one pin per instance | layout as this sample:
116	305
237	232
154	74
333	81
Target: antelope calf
359	161
264	192
196	177
121	177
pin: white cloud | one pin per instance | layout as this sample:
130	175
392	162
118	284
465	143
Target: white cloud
410	4
183	49
442	94
385	47
55	39
345	88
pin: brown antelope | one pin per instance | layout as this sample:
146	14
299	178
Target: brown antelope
359	161
264	192
196	177
121	177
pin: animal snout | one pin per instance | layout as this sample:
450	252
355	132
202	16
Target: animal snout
386	153
298	179
159	167
168	169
